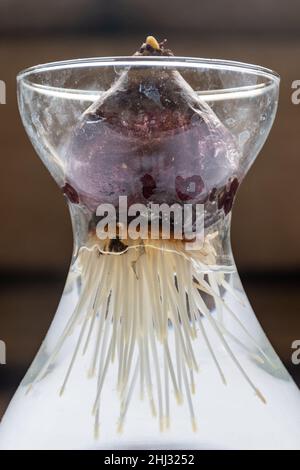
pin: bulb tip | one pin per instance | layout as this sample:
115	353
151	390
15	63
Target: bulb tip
151	41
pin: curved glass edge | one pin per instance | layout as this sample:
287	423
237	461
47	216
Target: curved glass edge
154	61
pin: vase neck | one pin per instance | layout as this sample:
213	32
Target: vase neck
212	245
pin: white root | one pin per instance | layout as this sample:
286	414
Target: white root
143	309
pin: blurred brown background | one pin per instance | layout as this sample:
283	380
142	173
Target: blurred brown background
36	239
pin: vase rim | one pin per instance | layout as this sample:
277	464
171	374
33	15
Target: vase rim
178	61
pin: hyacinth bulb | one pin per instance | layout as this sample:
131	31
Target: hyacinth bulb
149	138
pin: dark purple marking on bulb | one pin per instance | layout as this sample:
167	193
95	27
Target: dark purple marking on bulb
188	188
70	193
212	195
226	197
149	185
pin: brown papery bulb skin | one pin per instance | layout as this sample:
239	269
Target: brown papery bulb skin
150	138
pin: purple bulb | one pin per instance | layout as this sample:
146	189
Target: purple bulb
150	138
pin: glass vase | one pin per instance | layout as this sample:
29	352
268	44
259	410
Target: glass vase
154	344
